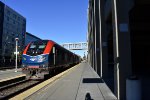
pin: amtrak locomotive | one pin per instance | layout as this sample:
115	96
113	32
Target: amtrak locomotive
45	57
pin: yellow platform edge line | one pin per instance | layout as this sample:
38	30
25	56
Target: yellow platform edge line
29	92
3	80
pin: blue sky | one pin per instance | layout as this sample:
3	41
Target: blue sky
60	20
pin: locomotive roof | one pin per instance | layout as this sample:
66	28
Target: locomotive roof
52	42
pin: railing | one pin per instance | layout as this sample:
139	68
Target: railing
76	46
9	63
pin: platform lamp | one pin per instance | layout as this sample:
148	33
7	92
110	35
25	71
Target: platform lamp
16	52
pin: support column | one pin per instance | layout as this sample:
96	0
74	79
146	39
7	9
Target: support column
97	37
93	34
122	49
103	41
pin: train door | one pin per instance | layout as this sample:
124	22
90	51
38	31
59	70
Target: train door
52	57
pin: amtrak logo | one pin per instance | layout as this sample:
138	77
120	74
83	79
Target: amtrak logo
33	59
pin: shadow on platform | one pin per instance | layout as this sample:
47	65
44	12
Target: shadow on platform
92	80
88	97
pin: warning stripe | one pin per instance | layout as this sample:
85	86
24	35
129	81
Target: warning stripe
25	51
48	48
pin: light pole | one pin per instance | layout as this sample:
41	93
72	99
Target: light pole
16	52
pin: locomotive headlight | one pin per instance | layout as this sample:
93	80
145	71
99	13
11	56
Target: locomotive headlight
24	58
41	58
23	65
43	66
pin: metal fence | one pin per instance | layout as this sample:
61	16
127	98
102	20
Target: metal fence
9	63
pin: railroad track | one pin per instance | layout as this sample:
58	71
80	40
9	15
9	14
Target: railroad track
13	89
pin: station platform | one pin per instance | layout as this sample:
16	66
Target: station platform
9	73
80	83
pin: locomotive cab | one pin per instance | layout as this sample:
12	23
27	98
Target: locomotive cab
35	59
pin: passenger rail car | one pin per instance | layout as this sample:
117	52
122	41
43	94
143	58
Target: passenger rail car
45	57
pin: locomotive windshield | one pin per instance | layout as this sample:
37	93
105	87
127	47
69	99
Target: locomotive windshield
36	48
32	46
41	46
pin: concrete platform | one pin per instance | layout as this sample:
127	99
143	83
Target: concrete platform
6	74
81	83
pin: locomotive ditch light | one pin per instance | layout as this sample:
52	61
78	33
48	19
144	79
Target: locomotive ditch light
23	65
24	58
42	66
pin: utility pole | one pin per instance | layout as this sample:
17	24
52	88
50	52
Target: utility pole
16	52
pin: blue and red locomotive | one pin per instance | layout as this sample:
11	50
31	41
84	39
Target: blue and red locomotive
44	57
